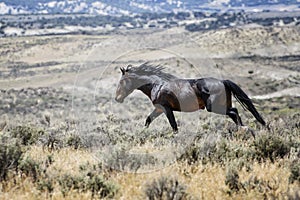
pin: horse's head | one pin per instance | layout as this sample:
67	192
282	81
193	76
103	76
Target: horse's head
126	85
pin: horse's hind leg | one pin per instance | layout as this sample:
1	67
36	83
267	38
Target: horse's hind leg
234	115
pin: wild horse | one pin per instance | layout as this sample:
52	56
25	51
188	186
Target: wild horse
169	93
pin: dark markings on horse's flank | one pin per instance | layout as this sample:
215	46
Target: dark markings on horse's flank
169	93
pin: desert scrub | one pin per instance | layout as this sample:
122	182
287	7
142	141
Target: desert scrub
267	146
52	139
30	168
10	155
27	134
214	150
100	187
165	188
68	182
266	188
202	150
122	160
74	141
92	182
263	188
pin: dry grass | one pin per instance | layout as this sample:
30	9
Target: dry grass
202	181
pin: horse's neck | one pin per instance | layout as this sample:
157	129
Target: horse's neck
147	84
146	89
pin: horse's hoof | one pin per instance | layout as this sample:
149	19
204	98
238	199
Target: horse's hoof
148	121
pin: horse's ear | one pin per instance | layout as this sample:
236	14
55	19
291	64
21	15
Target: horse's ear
128	68
122	70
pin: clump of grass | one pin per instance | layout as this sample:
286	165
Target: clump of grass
165	188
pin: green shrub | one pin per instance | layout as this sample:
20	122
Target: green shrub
100	187
191	154
122	160
213	151
68	182
270	147
200	151
74	141
10	155
165	188
30	168
28	135
96	184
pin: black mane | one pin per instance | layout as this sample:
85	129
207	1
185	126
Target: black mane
148	70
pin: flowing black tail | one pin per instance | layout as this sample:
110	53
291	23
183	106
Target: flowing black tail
243	99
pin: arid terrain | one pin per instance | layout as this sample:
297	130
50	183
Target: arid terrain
64	136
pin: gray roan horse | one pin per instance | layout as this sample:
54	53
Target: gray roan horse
169	93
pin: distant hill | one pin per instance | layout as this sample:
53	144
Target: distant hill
128	7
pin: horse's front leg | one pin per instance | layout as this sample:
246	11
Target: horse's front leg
155	113
170	115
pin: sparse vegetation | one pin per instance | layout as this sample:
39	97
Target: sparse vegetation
63	137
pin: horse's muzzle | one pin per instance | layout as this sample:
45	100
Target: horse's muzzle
119	100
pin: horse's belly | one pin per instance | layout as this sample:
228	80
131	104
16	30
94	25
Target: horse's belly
182	97
191	104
